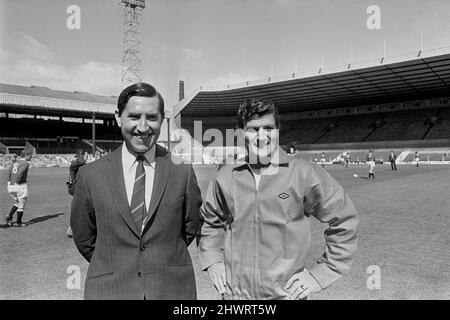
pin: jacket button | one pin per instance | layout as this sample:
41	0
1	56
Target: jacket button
139	274
142	248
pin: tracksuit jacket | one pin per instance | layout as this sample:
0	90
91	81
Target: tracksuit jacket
263	235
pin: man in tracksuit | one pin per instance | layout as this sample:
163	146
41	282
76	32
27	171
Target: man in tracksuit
256	231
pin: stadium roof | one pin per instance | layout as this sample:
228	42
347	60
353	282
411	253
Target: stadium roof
418	78
42	100
57	94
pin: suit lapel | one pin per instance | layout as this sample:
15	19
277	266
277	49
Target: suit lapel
162	170
116	182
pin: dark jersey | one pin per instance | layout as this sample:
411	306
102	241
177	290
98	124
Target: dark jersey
73	171
74	167
18	172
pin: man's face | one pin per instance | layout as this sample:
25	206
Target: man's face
261	138
140	123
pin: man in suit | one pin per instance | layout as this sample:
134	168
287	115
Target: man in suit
392	159
135	211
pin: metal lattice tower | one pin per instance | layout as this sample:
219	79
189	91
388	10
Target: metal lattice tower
130	57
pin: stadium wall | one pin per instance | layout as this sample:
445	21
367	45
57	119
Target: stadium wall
411	144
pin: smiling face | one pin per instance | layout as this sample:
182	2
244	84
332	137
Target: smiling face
140	123
261	138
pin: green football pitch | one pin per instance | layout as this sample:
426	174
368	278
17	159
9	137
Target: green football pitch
404	234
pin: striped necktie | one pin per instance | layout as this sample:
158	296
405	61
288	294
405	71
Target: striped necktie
138	208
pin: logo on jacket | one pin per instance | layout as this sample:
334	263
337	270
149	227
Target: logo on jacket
283	196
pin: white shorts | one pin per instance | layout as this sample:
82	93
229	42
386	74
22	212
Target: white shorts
19	192
371	164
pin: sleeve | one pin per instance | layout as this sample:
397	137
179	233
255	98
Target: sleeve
327	201
215	216
10	172
71	173
82	218
25	172
192	207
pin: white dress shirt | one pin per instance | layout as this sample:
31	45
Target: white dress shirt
129	165
258	173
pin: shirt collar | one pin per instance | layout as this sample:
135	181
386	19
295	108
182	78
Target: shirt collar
280	158
128	159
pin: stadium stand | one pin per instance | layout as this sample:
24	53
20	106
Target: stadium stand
404	99
305	131
56	122
216	123
401	103
353	128
402	125
441	125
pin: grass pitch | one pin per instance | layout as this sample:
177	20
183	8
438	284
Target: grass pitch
404	231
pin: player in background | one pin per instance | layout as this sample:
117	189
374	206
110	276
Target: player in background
370	160
80	160
17	188
316	159
417	158
322	160
347	159
392	159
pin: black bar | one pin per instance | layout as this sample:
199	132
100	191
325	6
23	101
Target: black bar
93	135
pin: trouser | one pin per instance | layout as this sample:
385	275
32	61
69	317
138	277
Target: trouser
393	166
19	192
69	229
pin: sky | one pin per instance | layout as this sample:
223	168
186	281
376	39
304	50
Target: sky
205	42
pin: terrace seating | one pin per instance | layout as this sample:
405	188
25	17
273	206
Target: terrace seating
353	128
440	130
39	128
108	146
209	123
402	125
306	131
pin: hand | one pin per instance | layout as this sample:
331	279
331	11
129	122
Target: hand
217	275
302	284
9	183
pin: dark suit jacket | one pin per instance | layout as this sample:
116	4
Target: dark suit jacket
123	264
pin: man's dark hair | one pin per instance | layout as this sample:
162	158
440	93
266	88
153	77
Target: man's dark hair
255	108
80	152
140	89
